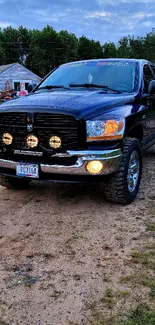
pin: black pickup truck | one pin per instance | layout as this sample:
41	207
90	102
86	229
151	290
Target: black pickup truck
86	121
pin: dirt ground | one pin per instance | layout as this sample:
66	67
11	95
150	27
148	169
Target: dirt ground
62	246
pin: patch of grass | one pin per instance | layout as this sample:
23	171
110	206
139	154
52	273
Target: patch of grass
105	321
150	226
124	294
150	246
152	287
146	258
128	279
111	298
142	315
141	279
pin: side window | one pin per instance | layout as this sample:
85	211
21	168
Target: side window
153	69
148	76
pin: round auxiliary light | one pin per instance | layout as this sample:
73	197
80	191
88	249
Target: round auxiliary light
55	142
94	167
32	141
7	138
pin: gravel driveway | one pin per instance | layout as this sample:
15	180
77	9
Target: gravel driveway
63	245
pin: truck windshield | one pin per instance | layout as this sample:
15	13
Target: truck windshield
117	75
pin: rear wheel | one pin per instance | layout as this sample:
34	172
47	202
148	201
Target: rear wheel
123	186
14	183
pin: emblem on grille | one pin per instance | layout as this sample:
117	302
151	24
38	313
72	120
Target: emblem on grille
29	127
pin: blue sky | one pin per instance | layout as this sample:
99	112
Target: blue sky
103	20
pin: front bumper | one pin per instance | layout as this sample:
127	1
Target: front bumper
109	158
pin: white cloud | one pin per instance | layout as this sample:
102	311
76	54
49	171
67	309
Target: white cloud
147	23
98	19
4	24
116	3
131	21
99	14
46	16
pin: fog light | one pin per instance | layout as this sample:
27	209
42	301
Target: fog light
7	138
55	142
94	167
32	141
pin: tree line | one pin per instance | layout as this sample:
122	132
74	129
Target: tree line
42	50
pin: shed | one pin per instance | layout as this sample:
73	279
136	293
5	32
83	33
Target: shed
17	77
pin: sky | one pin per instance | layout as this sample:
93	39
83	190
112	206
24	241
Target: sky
103	20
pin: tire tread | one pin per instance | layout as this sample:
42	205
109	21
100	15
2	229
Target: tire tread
116	188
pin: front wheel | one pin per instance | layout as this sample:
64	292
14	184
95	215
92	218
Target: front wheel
123	186
14	183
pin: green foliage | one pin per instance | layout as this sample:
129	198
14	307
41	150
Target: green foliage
42	50
142	315
146	258
10	45
89	49
109	50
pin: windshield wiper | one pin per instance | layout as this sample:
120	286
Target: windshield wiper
87	85
52	87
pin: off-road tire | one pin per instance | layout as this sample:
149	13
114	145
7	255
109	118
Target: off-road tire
116	187
14	183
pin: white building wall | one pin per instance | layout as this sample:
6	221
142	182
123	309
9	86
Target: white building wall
17	73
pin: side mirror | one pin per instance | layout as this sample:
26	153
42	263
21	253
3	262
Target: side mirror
31	87
151	89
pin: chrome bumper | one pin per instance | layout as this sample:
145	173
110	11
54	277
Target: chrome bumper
110	159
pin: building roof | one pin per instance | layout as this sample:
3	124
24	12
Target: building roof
17	69
5	67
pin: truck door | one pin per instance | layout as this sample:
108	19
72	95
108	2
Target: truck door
149	107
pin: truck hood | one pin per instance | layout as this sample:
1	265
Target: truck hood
81	104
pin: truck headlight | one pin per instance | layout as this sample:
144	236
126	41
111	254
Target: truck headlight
105	130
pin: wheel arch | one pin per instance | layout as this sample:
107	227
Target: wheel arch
136	132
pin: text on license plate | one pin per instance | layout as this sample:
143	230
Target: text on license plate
27	170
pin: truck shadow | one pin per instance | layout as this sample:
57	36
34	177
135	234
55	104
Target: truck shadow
71	191
94	192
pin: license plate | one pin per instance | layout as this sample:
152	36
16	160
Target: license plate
27	170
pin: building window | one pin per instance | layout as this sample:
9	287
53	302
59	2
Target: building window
17	86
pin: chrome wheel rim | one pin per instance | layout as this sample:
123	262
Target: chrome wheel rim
133	171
